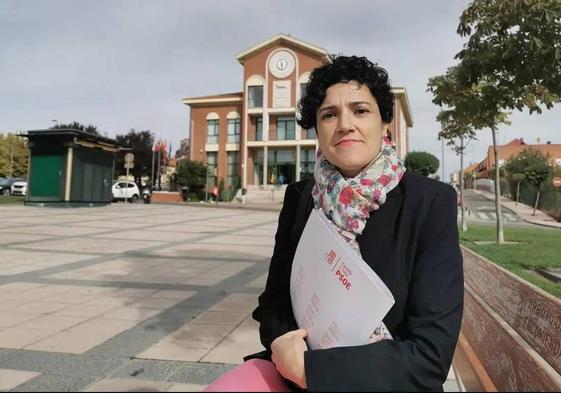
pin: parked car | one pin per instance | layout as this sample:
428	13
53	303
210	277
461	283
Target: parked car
19	187
6	185
128	189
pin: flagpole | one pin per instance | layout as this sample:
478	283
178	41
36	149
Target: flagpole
152	180
159	159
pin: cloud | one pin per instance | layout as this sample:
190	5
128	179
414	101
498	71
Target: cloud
120	64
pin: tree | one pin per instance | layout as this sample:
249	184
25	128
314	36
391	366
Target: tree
515	168
141	143
518	42
421	162
534	166
513	55
192	174
14	155
77	126
518	178
454	129
477	106
537	175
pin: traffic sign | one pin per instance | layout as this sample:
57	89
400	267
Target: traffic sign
129	165
129	157
557	181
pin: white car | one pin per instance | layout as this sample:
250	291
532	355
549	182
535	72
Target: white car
19	188
125	189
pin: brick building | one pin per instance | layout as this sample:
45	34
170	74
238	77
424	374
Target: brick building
251	137
511	149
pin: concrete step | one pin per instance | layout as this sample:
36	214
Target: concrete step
262	194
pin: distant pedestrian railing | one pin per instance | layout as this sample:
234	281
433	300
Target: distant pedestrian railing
511	330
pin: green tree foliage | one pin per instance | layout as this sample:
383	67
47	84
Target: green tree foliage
453	127
76	126
141	143
534	166
518	43
515	168
12	143
422	163
530	161
192	174
472	106
512	60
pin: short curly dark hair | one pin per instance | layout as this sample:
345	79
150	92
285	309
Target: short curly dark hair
344	69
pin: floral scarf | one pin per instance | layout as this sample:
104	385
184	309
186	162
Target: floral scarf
348	202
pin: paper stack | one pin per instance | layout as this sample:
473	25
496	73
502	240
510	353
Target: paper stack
335	295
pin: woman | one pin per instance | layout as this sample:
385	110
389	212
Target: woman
404	227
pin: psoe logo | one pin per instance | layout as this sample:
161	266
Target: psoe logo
330	257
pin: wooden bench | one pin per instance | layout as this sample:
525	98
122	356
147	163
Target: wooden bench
511	331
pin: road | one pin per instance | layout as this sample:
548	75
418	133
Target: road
480	210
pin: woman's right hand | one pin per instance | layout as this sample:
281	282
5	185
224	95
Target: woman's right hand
288	356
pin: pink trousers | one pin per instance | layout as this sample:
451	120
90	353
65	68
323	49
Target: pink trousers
255	375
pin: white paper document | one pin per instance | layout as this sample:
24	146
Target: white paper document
335	295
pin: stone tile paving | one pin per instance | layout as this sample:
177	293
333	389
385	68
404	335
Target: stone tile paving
129	297
81	298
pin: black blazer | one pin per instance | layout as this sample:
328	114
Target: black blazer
412	243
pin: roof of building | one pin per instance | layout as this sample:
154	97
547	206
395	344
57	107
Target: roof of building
471	168
518	145
71	132
286	38
516	142
214	99
399	92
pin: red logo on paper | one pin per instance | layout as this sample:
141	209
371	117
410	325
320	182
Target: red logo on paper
330	257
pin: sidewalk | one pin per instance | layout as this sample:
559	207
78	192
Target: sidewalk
88	306
523	211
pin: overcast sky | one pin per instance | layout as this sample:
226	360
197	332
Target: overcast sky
122	64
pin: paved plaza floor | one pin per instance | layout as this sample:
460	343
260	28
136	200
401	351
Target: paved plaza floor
129	297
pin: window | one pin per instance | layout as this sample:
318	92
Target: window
212	164
255	99
212	131
285	128
307	162
233	130
233	169
259	129
309	134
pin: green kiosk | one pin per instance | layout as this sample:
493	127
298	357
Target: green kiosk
70	167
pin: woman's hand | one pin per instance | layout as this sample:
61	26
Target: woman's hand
288	356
